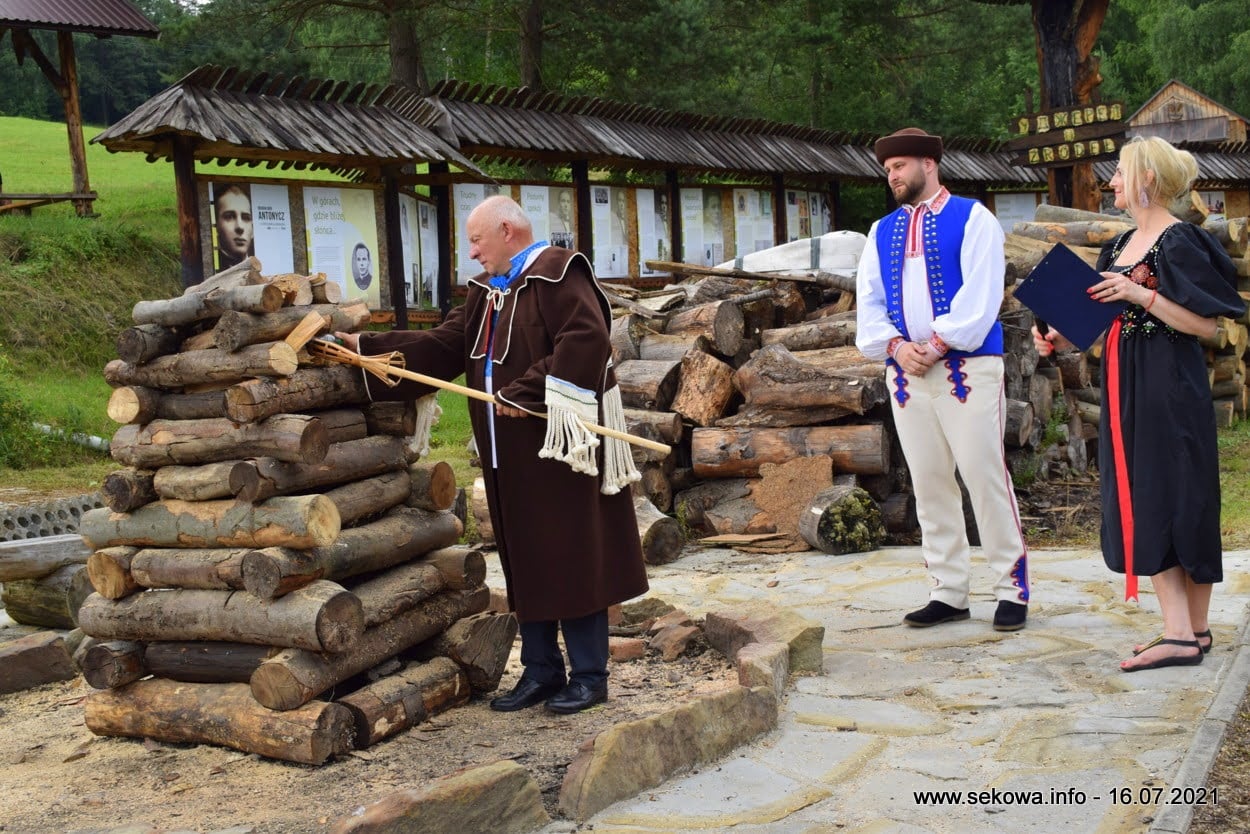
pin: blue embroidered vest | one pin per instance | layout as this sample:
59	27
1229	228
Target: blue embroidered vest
942	236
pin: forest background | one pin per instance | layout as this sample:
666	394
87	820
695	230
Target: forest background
955	67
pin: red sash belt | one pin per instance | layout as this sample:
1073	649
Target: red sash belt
1123	492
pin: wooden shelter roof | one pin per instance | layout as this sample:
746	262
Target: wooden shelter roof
1218	165
351	129
96	17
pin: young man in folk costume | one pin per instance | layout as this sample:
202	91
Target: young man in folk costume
929	287
533	331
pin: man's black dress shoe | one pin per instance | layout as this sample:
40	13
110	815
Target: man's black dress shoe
935	613
526	693
576	697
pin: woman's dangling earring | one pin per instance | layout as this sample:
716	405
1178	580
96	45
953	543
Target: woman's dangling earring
1143	199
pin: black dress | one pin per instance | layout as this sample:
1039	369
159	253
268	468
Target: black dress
1157	458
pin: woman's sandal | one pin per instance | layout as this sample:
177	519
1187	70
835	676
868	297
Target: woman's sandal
1180	660
1199	635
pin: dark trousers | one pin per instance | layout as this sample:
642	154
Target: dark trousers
586	639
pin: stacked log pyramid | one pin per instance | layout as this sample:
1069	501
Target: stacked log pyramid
272	539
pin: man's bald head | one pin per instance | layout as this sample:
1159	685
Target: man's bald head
497	229
498	210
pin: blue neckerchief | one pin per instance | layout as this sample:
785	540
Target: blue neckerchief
505	282
517	261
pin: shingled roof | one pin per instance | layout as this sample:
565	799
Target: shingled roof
96	17
353	129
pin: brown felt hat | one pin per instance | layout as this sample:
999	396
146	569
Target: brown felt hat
910	141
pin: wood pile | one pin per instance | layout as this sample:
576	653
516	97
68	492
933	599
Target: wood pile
274	569
744	372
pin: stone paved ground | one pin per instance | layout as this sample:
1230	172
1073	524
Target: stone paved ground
1006	719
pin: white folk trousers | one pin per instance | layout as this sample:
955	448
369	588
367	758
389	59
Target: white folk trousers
939	431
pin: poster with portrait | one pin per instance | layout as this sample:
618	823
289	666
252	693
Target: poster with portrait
561	219
610	218
691	209
753	228
410	244
795	201
713	249
341	229
536	203
234	230
427	234
465	197
653	228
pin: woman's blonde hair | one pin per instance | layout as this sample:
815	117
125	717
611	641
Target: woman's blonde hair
1174	171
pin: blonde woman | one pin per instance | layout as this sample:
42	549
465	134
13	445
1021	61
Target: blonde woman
1157	444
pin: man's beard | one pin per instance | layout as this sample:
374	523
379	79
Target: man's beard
913	189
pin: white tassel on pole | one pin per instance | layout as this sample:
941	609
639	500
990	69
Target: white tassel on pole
428	414
569	408
618	462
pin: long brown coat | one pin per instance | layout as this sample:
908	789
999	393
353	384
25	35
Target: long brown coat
567	550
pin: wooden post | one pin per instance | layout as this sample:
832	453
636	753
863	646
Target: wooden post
191	254
781	233
73	121
674	214
442	216
835	203
584	225
394	250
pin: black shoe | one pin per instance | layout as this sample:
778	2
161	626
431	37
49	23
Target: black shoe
576	697
526	693
935	613
1010	616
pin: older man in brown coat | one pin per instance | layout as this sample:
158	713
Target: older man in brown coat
533	331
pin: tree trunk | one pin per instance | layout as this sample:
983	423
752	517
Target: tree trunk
479	644
304	390
407	60
126	489
35	558
370	496
660	535
33	660
51	601
731	453
110	572
264	477
399	536
768	416
291	437
1074	369
397	419
662	346
405	699
667	425
399	589
720	321
433	486
204	661
322	617
898	513
195	483
1019	425
627	333
295	676
185	309
137	404
481	512
705	389
834	331
137	345
245	273
648	385
842	519
180	370
774	377
342	425
1080	233
654	486
223	714
109	664
205	568
235	330
302	521
692	504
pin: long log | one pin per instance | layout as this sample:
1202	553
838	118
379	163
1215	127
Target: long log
1047	213
479	644
399	536
236	329
405	699
195	483
145	342
301	521
751	416
33	660
292	437
343	424
321	617
296	676
660	535
692	504
775	377
433	486
665	346
627	332
463	568
1075	233
137	404
201	568
732	453
205	366
205	661
842	519
1073	368
223	714
397	419
667	425
304	390
51	601
399	589
1231	232
245	273
834	331
648	384
108	664
126	489
35	558
370	496
719	321
185	309
264	477
705	389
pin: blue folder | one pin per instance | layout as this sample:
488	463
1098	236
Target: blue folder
1056	293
